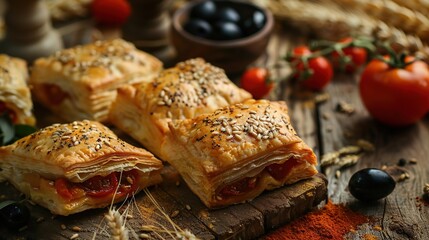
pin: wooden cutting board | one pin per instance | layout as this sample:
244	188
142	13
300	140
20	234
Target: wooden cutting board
242	221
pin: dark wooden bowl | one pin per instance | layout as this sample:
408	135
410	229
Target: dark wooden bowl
231	55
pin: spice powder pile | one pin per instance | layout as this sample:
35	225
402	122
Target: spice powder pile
331	222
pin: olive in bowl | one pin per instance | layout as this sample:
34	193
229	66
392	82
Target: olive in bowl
228	34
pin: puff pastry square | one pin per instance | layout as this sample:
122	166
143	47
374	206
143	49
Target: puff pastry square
15	96
191	88
81	82
69	168
235	153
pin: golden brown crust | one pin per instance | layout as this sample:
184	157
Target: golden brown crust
76	152
212	151
191	88
88	76
14	92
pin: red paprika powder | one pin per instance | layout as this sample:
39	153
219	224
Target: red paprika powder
331	222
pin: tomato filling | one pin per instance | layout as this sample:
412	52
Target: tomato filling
280	171
277	171
99	186
55	94
239	187
4	109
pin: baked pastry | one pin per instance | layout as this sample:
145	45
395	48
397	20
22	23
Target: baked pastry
81	82
191	88
235	153
15	96
69	168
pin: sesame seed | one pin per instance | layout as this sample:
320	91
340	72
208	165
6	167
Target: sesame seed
130	180
175	213
76	143
219	198
74	236
222	129
160	103
76	229
238	137
144	236
229	137
40	219
236	132
188	207
215	133
252	112
63	227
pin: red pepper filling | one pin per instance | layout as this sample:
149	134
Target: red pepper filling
11	113
55	94
280	171
99	186
239	187
277	171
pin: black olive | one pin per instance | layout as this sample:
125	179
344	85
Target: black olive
204	10
371	184
199	28
14	215
227	31
254	23
227	14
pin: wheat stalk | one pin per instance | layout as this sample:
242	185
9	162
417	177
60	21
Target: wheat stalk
416	5
116	224
391	13
327	20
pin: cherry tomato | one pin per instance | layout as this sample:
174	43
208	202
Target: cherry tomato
396	96
357	55
255	81
100	186
280	171
111	12
320	69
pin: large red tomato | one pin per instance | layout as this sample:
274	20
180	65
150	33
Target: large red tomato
396	96
320	69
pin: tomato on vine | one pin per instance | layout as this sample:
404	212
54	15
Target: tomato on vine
350	57
395	90
256	81
313	70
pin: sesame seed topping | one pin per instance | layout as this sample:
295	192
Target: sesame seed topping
203	78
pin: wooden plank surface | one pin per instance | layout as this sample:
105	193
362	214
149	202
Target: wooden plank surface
400	215
241	221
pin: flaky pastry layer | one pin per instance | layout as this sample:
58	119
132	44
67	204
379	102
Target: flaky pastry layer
251	141
14	91
191	88
81	82
75	152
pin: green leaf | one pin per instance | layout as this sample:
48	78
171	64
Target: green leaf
22	130
7	129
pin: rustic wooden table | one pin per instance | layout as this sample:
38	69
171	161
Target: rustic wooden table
401	215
